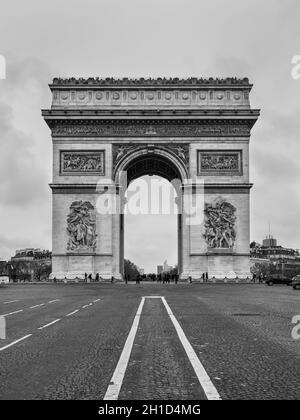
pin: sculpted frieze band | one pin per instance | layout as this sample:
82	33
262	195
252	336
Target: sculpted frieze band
144	128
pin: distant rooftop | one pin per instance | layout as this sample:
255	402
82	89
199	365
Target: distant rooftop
159	81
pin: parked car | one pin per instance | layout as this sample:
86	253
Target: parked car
296	282
278	279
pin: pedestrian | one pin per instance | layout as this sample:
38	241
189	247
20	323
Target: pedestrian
260	278
190	279
85	277
90	277
176	278
206	276
203	277
97	277
253	278
112	279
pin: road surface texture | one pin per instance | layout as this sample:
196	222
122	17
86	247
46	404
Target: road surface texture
67	341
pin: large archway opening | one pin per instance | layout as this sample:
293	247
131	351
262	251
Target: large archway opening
151	225
151	221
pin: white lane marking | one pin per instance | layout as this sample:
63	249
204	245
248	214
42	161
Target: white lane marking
116	381
72	313
85	306
12	313
55	300
97	300
11	301
205	381
2	327
36	306
48	325
15	342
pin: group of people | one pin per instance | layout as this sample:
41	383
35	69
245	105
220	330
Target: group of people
165	278
260	278
89	277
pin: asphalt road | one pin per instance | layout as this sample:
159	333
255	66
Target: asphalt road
75	337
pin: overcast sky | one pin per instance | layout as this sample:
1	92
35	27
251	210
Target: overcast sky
43	39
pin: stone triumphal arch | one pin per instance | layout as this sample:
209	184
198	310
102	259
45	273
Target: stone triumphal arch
196	131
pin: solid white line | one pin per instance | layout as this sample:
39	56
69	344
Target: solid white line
205	382
115	384
15	312
15	342
55	300
72	313
11	301
36	306
48	325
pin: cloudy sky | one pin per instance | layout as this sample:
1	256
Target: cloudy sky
135	38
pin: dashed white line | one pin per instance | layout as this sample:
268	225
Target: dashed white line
97	300
15	342
12	313
36	306
55	300
204	379
48	325
72	313
115	384
11	301
85	306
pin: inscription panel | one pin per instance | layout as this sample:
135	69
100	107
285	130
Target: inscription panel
220	162
87	162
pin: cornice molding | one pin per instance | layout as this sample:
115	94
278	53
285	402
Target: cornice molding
208	188
150	113
150	82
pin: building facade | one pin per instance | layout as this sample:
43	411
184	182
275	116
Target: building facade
194	131
271	258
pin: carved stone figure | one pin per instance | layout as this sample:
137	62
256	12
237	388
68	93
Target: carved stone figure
219	161
81	227
119	151
92	162
219	225
122	150
181	152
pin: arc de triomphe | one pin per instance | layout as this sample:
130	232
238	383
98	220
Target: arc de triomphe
194	130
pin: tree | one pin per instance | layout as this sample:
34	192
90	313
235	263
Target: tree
174	270
41	270
130	270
